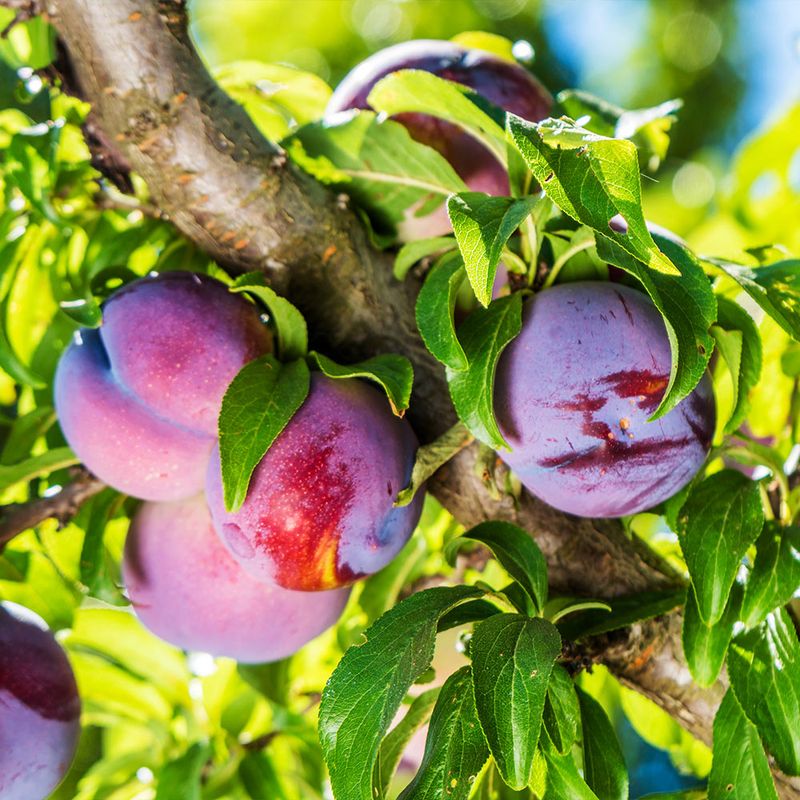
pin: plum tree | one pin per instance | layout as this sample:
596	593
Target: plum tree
138	398
319	512
187	589
573	396
39	708
503	83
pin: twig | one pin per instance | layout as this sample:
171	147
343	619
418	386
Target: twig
25	10
19	517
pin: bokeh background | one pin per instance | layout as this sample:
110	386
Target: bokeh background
735	63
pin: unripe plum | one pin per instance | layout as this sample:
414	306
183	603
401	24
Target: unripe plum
573	395
319	511
503	83
39	709
138	398
186	588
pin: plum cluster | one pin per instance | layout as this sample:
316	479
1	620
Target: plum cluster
40	719
138	400
575	391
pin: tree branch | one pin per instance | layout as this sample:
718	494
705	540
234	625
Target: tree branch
18	517
236	195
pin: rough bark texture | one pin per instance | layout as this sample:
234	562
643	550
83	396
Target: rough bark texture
235	195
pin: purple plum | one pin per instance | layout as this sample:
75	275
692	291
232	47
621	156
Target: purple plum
573	395
138	398
503	83
319	511
187	589
39	708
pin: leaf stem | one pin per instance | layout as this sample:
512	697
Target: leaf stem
562	259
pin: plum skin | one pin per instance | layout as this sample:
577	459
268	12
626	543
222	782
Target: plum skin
574	392
187	589
39	709
138	398
504	84
319	511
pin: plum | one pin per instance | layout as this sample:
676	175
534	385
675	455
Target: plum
319	511
138	398
187	589
504	84
39	708
573	395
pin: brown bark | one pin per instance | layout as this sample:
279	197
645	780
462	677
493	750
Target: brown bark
236	195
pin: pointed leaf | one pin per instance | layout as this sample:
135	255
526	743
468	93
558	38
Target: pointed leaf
435	307
412	252
705	646
740	770
397	739
257	406
775	576
484	335
603	764
392	372
367	687
764	669
289	323
517	553
482	225
721	518
591	178
512	658
561	711
455	750
687	305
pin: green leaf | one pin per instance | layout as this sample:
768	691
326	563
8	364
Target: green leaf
455	749
289	324
738	340
376	162
466	613
432	456
705	646
12	365
517	553
394	744
603	763
85	311
624	612
257	406
435	307
412	252
260	778
561	711
775	576
411	90
721	518
25	430
482	225
764	670
688	307
776	288
271	679
512	658
564	780
490	42
591	178
36	466
648	128
93	549
275	96
740	770
180	779
392	372
484	335
367	687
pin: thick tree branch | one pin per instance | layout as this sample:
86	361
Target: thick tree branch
237	196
